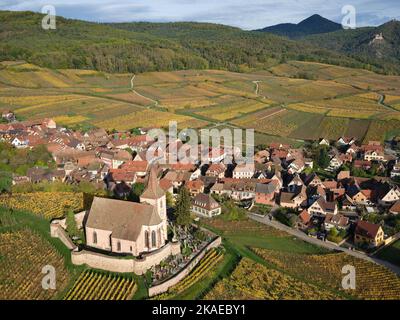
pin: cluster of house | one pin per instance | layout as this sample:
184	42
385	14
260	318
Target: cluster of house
115	161
277	177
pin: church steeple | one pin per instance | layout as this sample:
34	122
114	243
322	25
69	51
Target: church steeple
153	189
155	195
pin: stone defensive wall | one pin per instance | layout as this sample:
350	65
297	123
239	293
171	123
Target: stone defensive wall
164	286
125	264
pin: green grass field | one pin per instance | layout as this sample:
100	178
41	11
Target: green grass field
391	253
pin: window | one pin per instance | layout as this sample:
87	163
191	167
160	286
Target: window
146	239
94	237
153	239
130	248
159	236
118	246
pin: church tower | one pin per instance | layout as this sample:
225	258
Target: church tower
154	195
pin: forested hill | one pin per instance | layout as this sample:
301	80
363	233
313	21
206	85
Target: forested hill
379	46
139	47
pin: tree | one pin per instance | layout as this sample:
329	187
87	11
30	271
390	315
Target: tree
5	181
136	192
182	208
135	131
72	228
169	199
323	158
333	232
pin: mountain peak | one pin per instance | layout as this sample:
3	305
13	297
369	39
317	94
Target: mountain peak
314	24
315	18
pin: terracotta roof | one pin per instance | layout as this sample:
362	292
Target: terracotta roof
123	218
153	189
195	184
183	166
278	145
304	216
343	175
330	184
165	184
216	168
122	175
178	176
135	166
367	229
367	193
362	163
396	207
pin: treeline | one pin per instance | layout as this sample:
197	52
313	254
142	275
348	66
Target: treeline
140	47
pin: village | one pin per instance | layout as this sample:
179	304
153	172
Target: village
336	190
343	192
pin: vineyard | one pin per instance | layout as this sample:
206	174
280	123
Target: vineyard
92	285
75	97
281	123
253	281
211	258
373	282
145	118
231	110
47	204
23	254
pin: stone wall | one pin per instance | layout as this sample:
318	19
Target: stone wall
78	218
57	231
164	286
391	239
119	264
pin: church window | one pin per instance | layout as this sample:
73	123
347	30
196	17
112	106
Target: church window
146	239
159	235
118	246
94	237
153	239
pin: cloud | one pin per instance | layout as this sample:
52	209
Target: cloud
250	14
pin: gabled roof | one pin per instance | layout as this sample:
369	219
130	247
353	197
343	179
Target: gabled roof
336	219
304	216
287	197
325	205
267	188
123	218
367	229
205	201
395	208
194	184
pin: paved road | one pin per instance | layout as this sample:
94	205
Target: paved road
327	245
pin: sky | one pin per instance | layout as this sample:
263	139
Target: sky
246	14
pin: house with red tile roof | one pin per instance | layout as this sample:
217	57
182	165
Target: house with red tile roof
368	234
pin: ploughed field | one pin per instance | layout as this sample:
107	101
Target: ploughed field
295	100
